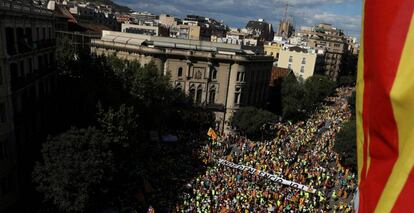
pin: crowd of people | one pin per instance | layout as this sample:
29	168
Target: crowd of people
302	152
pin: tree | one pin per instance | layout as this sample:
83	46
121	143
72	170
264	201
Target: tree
316	88
345	144
76	167
124	100
250	120
292	97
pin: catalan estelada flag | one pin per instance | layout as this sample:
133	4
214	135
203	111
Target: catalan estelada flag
212	134
385	107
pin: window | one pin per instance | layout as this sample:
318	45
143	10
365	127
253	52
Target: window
242	77
214	77
1	76
303	60
14	71
179	86
4	186
30	65
3	150
180	72
192	92
290	58
290	66
52	58
212	96
10	40
277	55
2	112
237	96
29	36
43	33
337	45
37	34
238	76
20	39
199	94
21	73
40	62
302	69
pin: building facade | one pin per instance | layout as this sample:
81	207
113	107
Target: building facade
334	42
299	60
27	79
218	76
153	30
261	30
273	49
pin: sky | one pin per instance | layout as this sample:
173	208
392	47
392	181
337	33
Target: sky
343	14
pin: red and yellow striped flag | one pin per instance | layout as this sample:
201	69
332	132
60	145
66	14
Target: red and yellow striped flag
385	107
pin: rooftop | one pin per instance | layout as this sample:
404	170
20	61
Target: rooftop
166	42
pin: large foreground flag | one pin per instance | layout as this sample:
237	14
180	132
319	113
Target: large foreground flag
385	107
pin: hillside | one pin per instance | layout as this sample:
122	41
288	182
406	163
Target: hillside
117	7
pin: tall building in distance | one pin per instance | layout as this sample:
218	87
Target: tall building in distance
27	82
218	76
286	28
333	41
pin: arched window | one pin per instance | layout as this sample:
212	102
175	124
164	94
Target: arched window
199	94
179	86
192	92
212	96
180	72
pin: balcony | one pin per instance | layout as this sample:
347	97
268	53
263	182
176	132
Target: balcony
21	82
44	44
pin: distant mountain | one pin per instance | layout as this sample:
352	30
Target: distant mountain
117	7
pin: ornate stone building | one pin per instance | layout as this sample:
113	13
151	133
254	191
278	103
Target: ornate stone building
221	77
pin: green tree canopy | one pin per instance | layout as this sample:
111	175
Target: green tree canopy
299	98
292	97
345	144
75	169
250	120
316	88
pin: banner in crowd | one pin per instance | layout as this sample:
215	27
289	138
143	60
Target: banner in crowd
385	104
271	177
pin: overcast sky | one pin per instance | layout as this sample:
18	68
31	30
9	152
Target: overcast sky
344	14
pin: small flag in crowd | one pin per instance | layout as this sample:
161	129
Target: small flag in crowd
212	134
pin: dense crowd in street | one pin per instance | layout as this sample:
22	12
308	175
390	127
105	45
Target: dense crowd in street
302	152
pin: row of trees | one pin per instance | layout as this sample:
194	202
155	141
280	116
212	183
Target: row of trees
345	143
300	98
106	159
